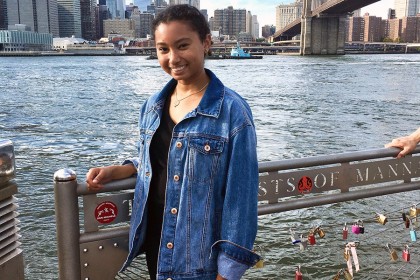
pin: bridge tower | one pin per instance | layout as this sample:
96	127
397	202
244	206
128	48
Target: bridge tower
322	33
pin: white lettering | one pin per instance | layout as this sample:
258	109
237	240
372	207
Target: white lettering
406	168
323	178
334	177
291	185
262	191
379	173
359	177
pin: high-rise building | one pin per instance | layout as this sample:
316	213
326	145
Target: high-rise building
195	3
407	8
410	29
142	4
116	8
230	21
102	13
373	29
69	18
356	29
3	15
39	16
255	27
142	22
88	21
249	22
287	13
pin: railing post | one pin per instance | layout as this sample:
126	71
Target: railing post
67	222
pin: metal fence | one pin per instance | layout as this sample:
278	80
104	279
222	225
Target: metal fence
92	227
11	257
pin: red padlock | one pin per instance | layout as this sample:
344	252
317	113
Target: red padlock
406	254
407	223
298	274
345	232
311	238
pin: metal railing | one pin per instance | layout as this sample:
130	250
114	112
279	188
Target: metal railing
93	244
11	256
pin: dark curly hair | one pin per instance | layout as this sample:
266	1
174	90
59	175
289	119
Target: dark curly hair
186	13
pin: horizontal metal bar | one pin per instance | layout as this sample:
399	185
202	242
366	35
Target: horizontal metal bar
118	185
334	198
270	166
104	234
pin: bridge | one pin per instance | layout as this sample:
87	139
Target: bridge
322	27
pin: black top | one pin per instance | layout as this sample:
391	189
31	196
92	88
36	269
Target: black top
159	149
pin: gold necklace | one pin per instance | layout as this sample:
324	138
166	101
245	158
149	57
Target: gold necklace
179	100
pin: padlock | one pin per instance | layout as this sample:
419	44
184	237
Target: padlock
345	231
259	264
413	234
294	237
346	253
392	252
347	275
361	227
321	233
298	274
337	276
303	244
413	211
382	219
407	223
355	228
406	254
311	238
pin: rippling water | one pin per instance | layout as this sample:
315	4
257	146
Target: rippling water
80	112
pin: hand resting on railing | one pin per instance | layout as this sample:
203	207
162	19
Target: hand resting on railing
406	143
98	176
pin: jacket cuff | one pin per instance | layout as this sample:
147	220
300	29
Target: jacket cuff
132	161
229	268
236	252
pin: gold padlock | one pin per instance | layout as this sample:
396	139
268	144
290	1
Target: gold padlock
321	233
392	252
259	264
346	253
381	218
347	275
414	211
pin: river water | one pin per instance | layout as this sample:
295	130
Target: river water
80	112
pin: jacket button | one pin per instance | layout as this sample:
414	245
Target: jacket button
169	279
176	178
174	211
178	144
169	245
207	147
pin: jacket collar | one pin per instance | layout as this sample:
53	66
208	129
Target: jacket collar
210	104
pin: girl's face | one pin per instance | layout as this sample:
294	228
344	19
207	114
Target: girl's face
180	51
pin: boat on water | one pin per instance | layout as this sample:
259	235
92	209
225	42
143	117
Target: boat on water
236	53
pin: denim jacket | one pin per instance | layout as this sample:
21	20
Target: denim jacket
210	214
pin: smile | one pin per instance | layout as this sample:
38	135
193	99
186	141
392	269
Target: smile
178	68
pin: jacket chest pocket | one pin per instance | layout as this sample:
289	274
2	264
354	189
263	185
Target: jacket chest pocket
203	159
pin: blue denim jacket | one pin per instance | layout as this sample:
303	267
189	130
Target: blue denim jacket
210	214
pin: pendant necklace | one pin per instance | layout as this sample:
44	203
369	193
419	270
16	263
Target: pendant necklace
179	100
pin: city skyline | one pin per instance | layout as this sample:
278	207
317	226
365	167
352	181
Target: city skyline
266	12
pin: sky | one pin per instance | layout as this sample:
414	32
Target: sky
266	9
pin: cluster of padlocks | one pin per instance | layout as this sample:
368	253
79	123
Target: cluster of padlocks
350	253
